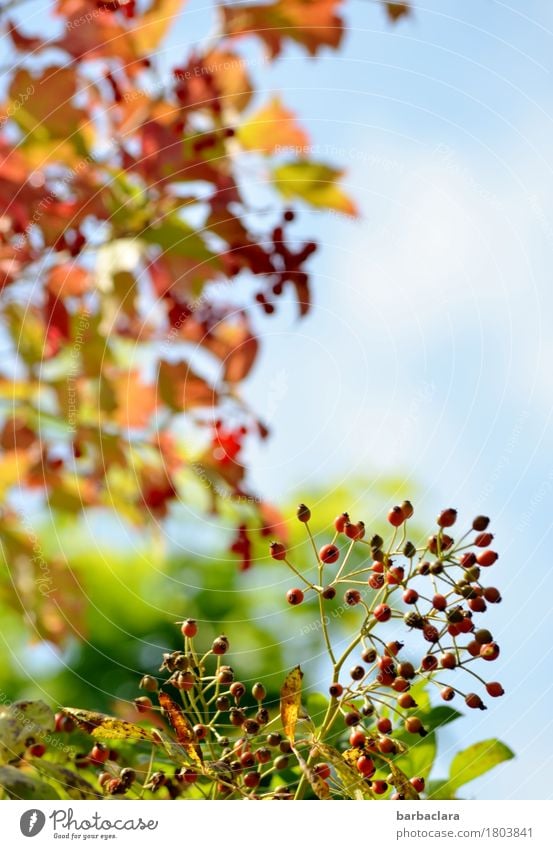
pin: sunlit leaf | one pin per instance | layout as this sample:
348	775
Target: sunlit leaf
181	726
272	127
24	785
314	183
311	24
106	727
290	701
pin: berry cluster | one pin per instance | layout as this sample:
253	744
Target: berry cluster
213	735
430	594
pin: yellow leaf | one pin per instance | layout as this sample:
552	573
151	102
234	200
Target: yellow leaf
271	128
314	183
353	785
109	727
290	701
152	27
319	785
181	726
402	783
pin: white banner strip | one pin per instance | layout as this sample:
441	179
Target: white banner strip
322	824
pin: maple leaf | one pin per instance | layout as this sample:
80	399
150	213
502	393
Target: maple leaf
310	23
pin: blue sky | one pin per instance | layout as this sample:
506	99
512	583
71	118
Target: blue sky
429	348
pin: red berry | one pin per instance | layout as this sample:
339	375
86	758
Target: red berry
495	689
410	596
477	605
467	559
220	646
329	553
384	725
376	582
439	602
64	723
322	770
189	776
387	746
406	701
277	551
430	633
366	766
379	787
294	596
396	516
263	755
407	509
418	783
189	628
335	690
251	780
487	557
328	593
357	739
340	522
378	567
400	685
303	513
38	750
99	753
492	595
429	663
414	726
472	700
352	597
382	613
447	693
489	651
247	760
395	575
447	518
448	661
473	648
480	523
483	540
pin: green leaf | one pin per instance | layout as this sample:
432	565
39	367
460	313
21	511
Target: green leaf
469	764
477	760
21	722
440	716
176	237
20	785
72	785
314	183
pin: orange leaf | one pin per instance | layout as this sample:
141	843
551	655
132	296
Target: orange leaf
271	128
181	726
397	10
182	389
311	23
290	701
68	280
136	401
